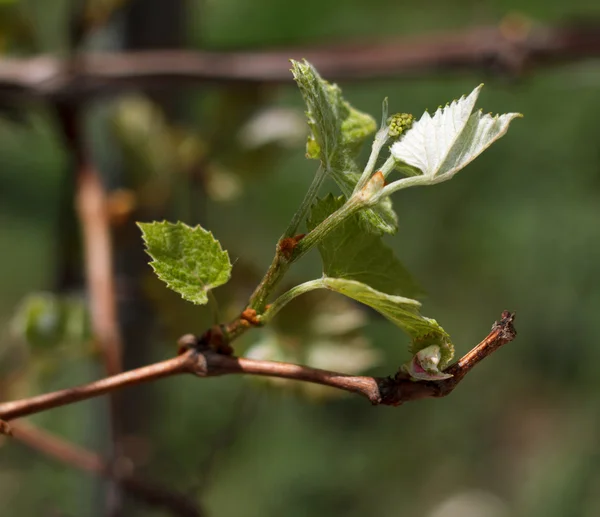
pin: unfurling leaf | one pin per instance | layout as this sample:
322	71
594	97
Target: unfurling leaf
443	144
337	129
189	260
350	253
337	133
425	365
403	312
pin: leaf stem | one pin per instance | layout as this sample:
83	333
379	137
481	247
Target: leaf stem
388	166
214	307
378	142
412	181
288	296
272	277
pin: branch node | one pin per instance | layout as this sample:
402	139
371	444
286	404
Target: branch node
399	389
197	363
251	317
286	247
215	338
5	428
505	326
186	342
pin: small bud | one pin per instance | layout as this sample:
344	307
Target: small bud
250	316
371	192
186	342
424	365
313	151
5	428
399	123
286	246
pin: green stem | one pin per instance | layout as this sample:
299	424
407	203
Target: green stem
272	277
307	202
281	263
214	307
380	139
388	166
349	208
413	181
288	296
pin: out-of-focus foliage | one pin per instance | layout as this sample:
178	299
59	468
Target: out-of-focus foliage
96	13
46	320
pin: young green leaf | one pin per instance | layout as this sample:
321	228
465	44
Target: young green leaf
337	132
350	253
189	260
442	145
403	312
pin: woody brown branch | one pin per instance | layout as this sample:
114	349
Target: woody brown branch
70	454
399	389
202	360
511	47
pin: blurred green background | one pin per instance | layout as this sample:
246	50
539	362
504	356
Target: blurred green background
517	230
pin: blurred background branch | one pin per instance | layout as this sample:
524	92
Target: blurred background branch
75	456
512	48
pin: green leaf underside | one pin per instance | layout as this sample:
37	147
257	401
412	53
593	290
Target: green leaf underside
350	253
442	145
403	312
337	133
189	260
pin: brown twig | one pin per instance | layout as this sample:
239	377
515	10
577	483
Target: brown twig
24	407
91	205
80	458
507	47
202	360
399	389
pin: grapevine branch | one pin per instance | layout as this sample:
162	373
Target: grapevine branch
203	357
